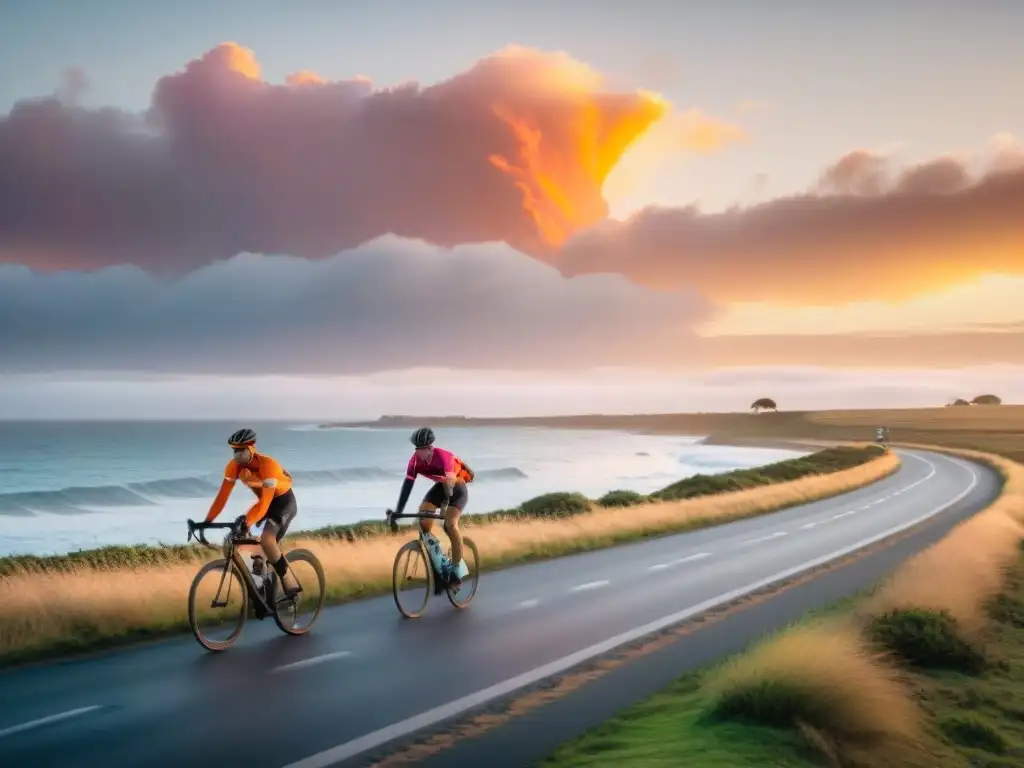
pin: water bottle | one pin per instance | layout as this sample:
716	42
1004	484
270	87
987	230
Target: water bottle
256	568
434	548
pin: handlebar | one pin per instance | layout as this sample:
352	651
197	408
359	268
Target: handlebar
198	530
393	516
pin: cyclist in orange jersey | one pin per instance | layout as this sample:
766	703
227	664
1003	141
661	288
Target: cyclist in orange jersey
275	500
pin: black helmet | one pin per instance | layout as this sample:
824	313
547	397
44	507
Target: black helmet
242	437
423	437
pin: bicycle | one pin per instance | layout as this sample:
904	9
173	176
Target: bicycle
433	580
262	598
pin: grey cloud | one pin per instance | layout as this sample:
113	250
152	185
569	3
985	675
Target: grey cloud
388	305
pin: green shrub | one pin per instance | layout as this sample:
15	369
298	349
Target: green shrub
558	504
973	732
820	463
926	639
364	529
113	556
1007	609
621	498
771	702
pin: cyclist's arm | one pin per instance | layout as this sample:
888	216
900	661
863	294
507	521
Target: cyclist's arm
403	496
410	480
448	462
259	510
230	475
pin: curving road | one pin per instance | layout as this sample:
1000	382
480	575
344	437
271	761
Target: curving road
365	678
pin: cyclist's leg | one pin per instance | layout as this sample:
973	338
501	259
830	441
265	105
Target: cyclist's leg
279	517
460	496
432	501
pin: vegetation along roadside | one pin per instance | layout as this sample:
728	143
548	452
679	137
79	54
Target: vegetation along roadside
68	603
927	669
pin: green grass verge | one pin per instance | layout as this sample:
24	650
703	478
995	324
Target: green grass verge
559	504
974	712
675	728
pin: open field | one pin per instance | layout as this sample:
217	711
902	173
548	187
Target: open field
925	670
996	429
52	605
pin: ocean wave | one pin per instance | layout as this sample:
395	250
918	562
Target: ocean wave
78	500
70	501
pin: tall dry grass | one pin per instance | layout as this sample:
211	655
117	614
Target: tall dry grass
830	679
967	568
84	606
827	681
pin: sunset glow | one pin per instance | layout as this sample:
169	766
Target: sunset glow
560	191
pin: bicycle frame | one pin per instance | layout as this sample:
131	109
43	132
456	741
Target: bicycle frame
392	517
261	606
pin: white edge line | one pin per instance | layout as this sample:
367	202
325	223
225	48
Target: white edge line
311	661
442	712
47	720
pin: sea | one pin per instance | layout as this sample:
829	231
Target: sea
67	486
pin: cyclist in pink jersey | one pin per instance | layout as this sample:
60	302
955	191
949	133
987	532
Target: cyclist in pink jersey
450	475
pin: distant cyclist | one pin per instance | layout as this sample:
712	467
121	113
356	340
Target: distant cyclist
275	500
450	475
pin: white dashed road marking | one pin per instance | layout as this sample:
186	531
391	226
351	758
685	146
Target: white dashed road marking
311	661
47	720
590	585
528	603
680	561
775	535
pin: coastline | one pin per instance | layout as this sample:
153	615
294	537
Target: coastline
718	429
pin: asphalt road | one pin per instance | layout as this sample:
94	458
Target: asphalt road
365	679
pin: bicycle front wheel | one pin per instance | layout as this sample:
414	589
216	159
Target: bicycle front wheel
217	605
297	616
461	596
412	579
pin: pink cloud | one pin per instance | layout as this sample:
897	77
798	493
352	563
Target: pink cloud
867	231
514	149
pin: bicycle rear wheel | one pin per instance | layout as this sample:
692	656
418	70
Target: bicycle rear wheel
310	575
460	597
220	608
412	579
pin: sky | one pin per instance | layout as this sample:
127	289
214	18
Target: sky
342	210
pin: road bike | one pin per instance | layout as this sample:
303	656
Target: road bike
261	597
420	565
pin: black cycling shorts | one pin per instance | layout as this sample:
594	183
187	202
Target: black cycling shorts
281	512
437	496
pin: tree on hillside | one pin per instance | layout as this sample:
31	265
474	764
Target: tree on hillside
987	400
763	404
958	401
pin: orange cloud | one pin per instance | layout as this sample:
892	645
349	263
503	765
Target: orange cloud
868	231
704	133
515	149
